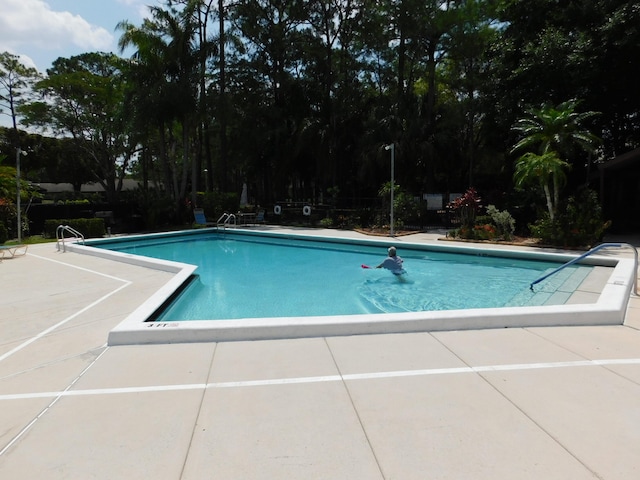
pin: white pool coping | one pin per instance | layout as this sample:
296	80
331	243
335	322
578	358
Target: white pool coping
609	309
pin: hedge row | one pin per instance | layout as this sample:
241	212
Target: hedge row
89	227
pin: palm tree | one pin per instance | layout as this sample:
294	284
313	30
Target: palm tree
165	66
556	129
546	169
550	132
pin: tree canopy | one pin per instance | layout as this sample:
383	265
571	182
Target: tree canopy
297	98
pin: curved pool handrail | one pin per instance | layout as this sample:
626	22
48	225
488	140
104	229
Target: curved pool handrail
593	250
60	239
226	219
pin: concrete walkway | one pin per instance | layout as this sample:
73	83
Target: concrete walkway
545	403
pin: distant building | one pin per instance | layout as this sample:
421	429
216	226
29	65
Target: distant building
127	184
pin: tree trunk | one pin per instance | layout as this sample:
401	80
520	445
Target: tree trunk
222	116
550	206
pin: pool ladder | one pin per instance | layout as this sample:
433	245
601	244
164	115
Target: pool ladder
60	240
593	250
226	219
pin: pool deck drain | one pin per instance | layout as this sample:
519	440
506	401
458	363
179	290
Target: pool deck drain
526	403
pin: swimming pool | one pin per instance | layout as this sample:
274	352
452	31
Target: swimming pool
427	301
262	276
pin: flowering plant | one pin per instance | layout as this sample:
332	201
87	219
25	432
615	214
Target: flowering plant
466	207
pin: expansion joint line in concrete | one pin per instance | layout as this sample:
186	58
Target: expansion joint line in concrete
48	407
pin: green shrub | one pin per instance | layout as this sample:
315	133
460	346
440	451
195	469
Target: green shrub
4	236
578	223
480	231
8	217
326	222
504	222
484	231
89	227
482	219
81	201
157	208
405	208
216	203
495	224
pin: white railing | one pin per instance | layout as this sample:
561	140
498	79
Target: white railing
60	239
226	219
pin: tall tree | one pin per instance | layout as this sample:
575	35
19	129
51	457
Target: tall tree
165	68
465	77
329	56
549	51
84	99
222	91
204	49
272	36
549	132
16	88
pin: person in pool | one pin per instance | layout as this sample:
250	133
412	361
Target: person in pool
393	263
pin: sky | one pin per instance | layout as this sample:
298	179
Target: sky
40	31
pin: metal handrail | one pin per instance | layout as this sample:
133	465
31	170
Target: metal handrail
593	250
231	217
225	220
60	236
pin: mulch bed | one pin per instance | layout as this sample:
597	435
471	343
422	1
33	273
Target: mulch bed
384	232
517	241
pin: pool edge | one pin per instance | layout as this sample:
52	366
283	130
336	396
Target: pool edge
610	309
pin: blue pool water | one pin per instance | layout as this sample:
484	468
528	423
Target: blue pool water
260	276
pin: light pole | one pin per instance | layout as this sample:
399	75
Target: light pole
19	152
392	147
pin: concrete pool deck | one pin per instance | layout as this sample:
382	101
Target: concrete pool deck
517	403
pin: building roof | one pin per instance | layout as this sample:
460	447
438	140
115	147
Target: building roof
631	158
94	187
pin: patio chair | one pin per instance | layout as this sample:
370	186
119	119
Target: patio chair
200	218
11	251
260	217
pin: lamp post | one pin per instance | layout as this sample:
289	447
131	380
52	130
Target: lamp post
392	147
19	152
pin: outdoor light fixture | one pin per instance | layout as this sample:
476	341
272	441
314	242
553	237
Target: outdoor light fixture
392	147
19	152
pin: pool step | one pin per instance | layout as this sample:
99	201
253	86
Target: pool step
557	290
